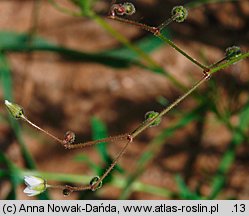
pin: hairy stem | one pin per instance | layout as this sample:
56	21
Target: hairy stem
167	22
146	124
149	61
130	137
172	44
77	145
156	32
228	63
120	154
94	142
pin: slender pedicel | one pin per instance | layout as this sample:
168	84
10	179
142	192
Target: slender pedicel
42	130
146	124
179	14
68	142
230	53
120	154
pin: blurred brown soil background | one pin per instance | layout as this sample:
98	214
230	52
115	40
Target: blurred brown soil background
60	94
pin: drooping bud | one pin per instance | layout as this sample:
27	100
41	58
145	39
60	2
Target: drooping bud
150	115
14	109
179	13
66	192
232	52
69	137
93	181
129	8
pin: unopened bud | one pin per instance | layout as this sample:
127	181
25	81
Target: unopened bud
129	8
180	13
66	192
233	52
14	109
94	181
150	115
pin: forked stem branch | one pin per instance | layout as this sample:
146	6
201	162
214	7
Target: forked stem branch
67	142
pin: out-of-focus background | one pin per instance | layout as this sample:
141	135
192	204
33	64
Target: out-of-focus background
80	74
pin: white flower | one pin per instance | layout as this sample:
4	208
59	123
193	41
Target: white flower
35	185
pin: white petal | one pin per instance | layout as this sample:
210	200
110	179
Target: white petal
7	102
32	181
31	192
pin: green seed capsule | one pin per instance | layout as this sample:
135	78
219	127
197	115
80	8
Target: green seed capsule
233	52
14	109
150	115
129	8
180	12
94	181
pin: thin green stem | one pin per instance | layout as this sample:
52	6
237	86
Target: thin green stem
167	22
228	63
156	32
149	61
120	154
172	44
146	124
217	63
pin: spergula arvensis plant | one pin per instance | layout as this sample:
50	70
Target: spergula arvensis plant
152	118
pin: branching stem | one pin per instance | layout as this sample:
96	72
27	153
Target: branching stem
129	137
141	128
157	32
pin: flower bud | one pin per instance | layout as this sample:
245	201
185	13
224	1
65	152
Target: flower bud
150	115
233	52
180	13
66	192
14	109
94	181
